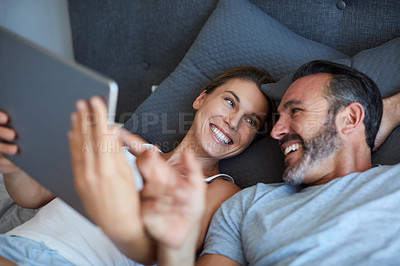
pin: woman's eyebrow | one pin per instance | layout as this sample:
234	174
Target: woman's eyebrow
234	95
257	116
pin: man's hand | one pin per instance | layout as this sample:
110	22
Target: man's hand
173	198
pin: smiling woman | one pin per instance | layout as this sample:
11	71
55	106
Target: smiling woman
230	111
228	119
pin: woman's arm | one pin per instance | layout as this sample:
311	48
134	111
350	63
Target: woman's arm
26	191
23	189
217	192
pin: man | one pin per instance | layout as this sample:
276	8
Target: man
335	208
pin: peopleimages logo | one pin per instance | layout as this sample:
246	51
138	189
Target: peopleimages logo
180	123
170	124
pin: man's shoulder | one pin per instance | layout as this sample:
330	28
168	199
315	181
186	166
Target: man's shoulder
380	171
262	190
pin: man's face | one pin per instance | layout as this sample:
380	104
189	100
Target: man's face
306	131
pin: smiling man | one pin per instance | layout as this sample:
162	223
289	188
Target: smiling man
334	207
329	119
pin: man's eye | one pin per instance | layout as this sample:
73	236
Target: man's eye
230	102
295	110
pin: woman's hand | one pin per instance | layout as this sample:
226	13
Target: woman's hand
103	178
173	203
23	189
173	197
7	135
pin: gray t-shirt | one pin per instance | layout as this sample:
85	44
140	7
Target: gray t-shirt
350	220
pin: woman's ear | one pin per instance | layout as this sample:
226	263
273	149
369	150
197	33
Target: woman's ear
199	100
352	118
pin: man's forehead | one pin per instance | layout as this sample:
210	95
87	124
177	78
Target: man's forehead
305	89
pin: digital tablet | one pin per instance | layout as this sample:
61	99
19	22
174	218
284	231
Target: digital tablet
38	90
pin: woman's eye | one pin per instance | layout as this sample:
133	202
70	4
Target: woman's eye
251	121
230	102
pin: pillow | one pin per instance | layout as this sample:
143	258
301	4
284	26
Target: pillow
237	33
382	65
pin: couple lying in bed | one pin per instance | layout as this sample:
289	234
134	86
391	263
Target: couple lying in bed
229	113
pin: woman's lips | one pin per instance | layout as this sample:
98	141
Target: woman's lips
221	135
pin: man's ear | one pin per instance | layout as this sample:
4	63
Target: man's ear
351	118
199	100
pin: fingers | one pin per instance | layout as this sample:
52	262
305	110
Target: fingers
81	145
10	149
134	142
3	118
76	145
91	141
7	134
99	125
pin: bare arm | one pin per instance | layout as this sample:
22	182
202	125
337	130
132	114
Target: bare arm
390	119
217	192
23	189
26	191
215	259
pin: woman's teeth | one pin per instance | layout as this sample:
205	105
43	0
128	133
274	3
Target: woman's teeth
221	136
293	147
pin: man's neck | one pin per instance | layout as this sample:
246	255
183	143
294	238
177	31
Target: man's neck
347	161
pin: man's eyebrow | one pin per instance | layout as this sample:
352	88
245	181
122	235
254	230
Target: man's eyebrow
290	103
234	95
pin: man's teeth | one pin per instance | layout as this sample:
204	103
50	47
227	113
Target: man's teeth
293	147
221	136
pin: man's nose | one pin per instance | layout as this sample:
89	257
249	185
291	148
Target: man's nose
281	128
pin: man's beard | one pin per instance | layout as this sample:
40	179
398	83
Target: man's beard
322	145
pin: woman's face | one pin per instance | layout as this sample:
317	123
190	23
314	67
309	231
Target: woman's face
227	120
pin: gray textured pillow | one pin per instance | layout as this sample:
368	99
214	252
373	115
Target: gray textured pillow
381	64
237	33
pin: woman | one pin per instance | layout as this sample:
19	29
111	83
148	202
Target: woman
230	111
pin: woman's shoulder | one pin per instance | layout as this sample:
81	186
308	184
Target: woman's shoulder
222	187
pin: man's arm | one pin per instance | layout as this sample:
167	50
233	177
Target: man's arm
23	189
390	119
